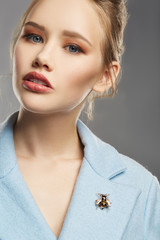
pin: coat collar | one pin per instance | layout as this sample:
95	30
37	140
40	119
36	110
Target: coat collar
101	164
109	165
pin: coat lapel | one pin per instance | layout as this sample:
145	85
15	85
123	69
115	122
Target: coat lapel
100	167
83	221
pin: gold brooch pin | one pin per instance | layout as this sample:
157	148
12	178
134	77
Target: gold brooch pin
103	201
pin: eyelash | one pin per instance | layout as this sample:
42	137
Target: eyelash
30	35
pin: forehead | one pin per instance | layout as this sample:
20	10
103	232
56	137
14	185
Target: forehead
73	15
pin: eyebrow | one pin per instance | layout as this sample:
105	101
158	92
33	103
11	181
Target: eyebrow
35	25
64	33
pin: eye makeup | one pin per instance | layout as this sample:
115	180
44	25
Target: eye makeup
65	33
37	39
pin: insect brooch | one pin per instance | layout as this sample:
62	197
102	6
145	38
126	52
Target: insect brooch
103	201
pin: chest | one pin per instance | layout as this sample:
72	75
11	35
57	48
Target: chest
53	206
52	192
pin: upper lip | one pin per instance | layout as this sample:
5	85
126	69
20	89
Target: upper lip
38	76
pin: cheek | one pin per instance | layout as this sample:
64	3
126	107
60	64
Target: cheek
79	75
18	58
22	57
77	79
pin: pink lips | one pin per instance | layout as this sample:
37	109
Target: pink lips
38	76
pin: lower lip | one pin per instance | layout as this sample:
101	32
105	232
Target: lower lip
36	87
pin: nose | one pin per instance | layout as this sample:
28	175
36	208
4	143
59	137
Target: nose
43	60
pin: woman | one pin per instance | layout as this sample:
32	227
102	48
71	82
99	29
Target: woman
56	176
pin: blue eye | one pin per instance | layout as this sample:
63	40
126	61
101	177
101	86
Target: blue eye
34	37
74	48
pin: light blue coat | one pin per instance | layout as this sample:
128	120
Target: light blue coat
134	193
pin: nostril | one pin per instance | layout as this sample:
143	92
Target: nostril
46	66
35	64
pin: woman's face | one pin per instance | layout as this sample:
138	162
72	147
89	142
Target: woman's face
61	40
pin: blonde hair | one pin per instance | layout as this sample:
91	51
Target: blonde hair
113	17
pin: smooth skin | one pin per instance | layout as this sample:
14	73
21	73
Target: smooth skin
48	148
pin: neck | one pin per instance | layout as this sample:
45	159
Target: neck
47	137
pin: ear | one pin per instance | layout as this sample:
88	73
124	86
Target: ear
105	81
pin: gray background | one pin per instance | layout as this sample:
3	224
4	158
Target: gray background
129	121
